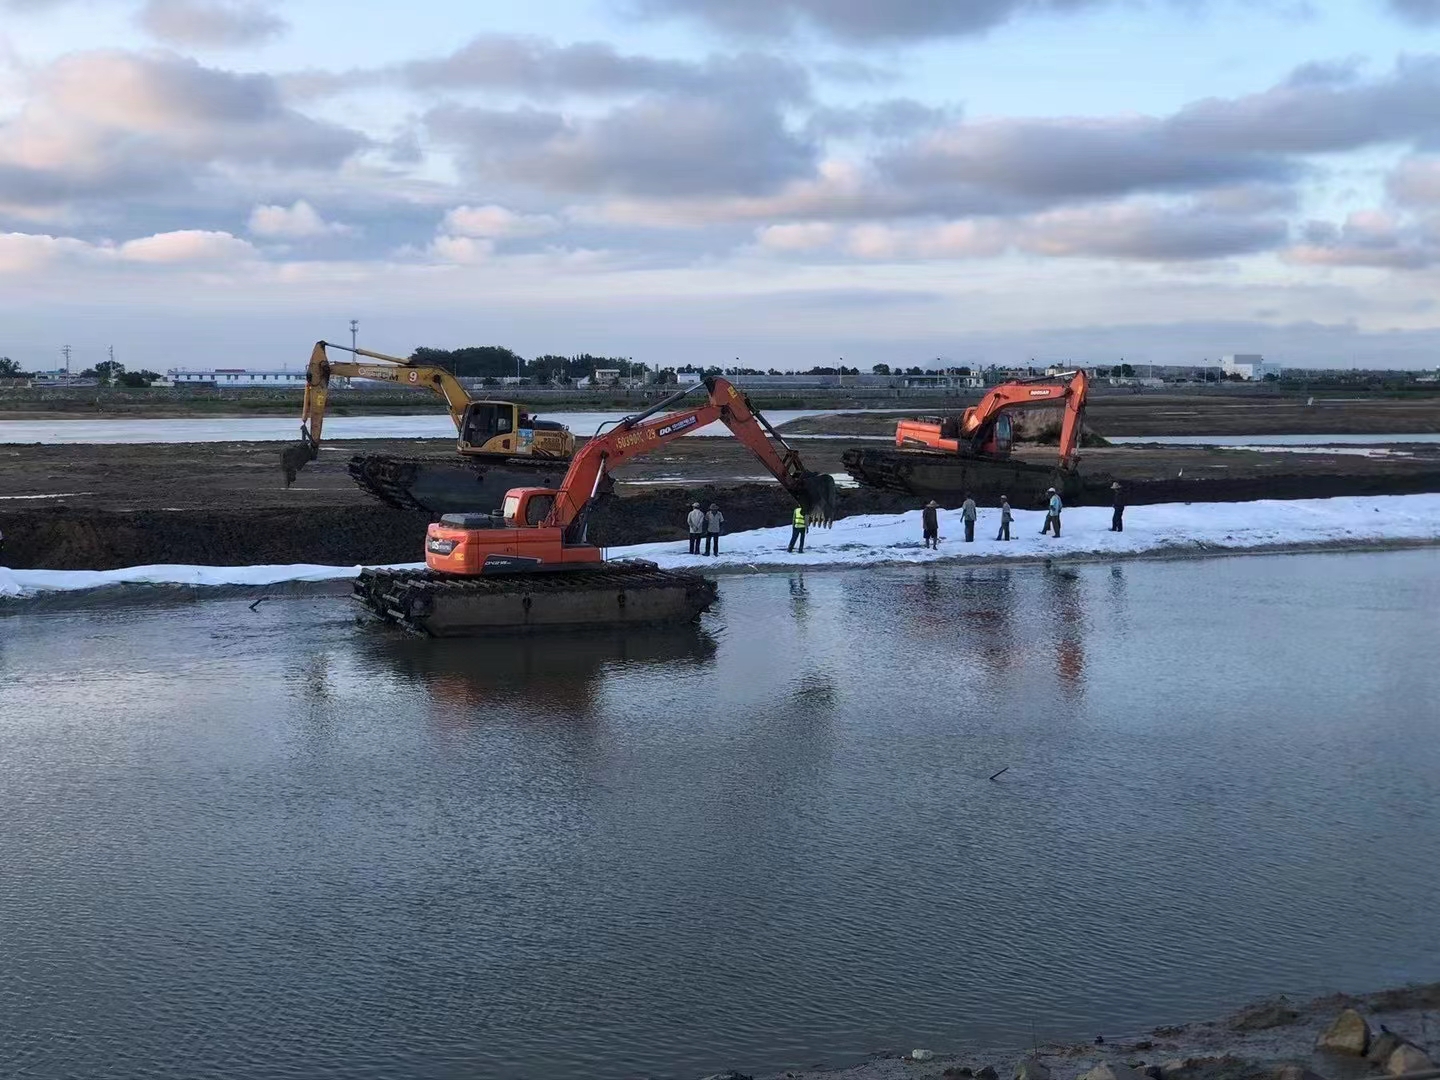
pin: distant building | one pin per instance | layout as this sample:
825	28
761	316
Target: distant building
1249	366
235	377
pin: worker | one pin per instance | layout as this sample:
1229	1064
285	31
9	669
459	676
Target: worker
798	527
695	520
1117	519
967	515
1052	513
930	523
714	521
1005	518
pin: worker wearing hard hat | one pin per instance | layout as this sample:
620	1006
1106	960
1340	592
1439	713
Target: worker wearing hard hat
1052	513
798	527
930	524
1117	519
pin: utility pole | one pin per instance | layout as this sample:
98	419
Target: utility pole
66	350
354	332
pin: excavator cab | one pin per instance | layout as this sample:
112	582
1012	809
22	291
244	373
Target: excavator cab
490	427
1001	438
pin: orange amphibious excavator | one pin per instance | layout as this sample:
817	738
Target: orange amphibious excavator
944	457
532	565
984	430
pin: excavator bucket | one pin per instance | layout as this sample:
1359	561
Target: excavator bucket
819	500
295	456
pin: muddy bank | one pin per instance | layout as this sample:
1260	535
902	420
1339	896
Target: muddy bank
1270	1040
81	538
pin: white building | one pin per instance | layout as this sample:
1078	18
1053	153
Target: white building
1249	366
236	377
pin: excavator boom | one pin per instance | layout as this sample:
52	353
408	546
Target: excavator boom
641	434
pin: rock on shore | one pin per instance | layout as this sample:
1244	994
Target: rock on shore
1272	1040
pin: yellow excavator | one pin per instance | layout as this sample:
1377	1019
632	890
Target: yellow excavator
501	445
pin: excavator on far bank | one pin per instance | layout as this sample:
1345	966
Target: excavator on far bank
500	444
945	457
532	565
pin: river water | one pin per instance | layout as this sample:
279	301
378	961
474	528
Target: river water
270	844
287	428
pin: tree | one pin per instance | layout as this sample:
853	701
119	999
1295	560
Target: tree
137	379
880	369
1116	371
9	369
108	371
1127	371
474	361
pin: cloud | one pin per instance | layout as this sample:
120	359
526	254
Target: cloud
298	221
465	250
541	67
22	253
113	124
496	223
186	246
891	118
213	24
1147	231
658	146
1370	239
1417	12
1416	182
861	21
1150	233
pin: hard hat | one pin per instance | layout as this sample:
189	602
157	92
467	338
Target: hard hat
714	506
1049	491
696	505
1115	484
932	502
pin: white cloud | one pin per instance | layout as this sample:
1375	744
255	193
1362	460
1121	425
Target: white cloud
803	236
298	221
496	223
186	246
466	250
24	252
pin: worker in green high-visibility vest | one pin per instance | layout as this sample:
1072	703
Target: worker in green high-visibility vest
798	528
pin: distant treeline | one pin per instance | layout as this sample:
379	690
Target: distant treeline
498	362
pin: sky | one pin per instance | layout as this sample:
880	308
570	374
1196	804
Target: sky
778	183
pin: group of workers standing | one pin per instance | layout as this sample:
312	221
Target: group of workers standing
706	525
1054	507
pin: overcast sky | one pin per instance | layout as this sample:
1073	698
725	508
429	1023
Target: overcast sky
786	182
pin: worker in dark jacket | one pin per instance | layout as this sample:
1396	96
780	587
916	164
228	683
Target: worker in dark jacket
930	522
1117	519
714	522
798	527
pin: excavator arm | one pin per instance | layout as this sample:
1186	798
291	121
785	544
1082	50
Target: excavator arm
637	435
392	369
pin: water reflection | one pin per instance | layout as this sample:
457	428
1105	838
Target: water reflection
1069	627
562	672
